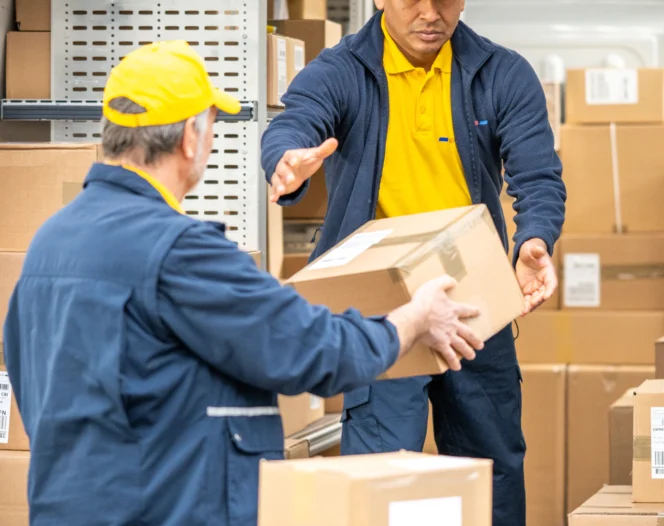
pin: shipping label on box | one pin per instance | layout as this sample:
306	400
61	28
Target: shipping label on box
648	450
12	433
295	58
277	69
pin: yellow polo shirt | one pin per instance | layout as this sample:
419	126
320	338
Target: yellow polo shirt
422	170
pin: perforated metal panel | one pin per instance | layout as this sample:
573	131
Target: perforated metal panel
89	37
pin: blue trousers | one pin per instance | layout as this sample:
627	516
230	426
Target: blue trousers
476	413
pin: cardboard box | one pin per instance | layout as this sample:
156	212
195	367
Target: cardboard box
621	422
12	432
313	205
316	34
275	237
297	412
591	391
33	15
659	358
648	451
589	337
334	404
28	73
14	488
277	69
255	255
554	104
36	180
307	9
294	58
613	272
381	490
11	264
544	419
603	96
590	177
397	255
612	506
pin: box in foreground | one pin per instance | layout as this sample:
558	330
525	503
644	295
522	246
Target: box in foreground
381	266
14	488
395	489
648	464
612	506
621	424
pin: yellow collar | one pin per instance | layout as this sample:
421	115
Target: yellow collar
165	193
395	62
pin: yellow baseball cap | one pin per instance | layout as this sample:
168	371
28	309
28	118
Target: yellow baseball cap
169	80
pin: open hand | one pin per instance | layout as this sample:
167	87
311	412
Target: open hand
536	274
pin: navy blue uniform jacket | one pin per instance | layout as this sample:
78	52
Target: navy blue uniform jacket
146	351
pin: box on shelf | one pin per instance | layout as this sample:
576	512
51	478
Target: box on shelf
603	96
307	9
659	358
621	418
612	506
648	451
397	255
294	57
33	15
316	34
610	271
313	205
591	337
297	412
12	432
544	421
554	104
593	181
381	490
591	391
36	180
28	65
14	488
11	264
277	69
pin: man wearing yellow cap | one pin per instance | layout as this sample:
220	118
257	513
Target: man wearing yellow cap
146	349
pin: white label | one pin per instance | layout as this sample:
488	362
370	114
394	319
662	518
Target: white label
5	406
445	511
582	280
433	463
657	441
349	250
282	70
315	402
298	59
612	86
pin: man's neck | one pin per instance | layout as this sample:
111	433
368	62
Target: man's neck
165	172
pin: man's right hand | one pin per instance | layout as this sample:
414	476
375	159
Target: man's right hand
433	319
296	166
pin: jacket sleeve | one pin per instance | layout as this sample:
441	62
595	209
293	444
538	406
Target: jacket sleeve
533	171
315	103
243	323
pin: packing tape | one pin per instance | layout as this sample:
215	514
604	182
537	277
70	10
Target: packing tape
642	448
615	172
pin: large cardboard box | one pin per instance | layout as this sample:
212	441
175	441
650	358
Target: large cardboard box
591	391
316	34
11	264
589	337
294	57
613	177
14	488
28	73
313	205
383	489
612	506
307	9
648	465
621	423
297	412
12	432
613	272
544	419
603	96
397	255
659	358
33	15
277	69
36	180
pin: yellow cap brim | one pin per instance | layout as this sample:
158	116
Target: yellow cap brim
226	103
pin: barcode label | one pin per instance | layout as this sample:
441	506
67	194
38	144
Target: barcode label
298	59
612	86
657	441
282	68
581	277
4	387
5	406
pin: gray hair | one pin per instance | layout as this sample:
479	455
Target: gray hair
148	144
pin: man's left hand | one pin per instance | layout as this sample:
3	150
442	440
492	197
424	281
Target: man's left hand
536	274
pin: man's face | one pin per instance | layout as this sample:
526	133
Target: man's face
421	27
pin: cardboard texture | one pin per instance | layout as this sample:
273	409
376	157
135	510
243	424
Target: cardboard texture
307	9
603	96
12	432
612	506
621	419
398	255
544	418
591	391
14	488
335	404
36	180
297	412
294	58
590	177
382	490
11	264
648	445
610	271
659	358
277	69
28	73
316	34
313	205
33	15
589	337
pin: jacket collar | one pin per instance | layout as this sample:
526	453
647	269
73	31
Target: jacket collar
470	50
